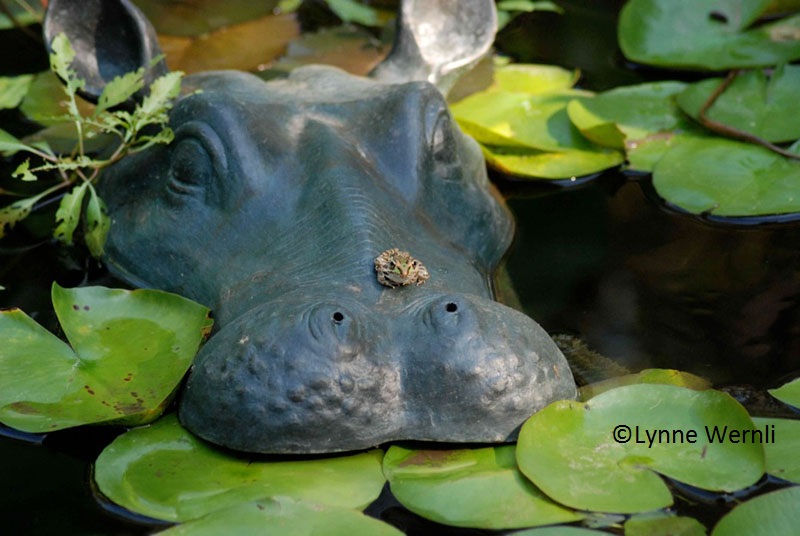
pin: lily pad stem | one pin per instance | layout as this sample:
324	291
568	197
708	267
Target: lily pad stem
730	132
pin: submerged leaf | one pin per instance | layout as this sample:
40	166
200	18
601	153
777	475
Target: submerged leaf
130	349
480	488
605	454
727	178
706	34
773	514
284	516
200	479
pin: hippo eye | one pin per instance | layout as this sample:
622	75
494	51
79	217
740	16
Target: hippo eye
444	147
196	163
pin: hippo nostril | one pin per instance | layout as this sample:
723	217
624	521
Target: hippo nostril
337	317
451	307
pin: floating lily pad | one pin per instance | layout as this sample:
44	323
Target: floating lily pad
643	154
561	531
706	34
628	113
772	514
781	440
788	393
727	178
570	452
762	105
551	165
664	525
163	471
129	350
533	78
479	488
647	376
283	516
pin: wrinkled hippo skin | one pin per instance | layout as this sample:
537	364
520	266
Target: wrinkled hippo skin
270	206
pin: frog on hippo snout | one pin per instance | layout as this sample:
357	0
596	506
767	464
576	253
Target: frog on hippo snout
271	206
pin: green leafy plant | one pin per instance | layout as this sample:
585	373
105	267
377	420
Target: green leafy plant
78	171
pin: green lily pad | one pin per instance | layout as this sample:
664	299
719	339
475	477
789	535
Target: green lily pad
479	488
762	105
727	178
122	365
628	113
706	34
570	452
664	525
643	154
283	516
163	471
551	165
561	531
788	393
647	376
781	447
772	514
520	120
533	79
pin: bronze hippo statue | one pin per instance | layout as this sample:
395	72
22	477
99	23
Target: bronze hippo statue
272	205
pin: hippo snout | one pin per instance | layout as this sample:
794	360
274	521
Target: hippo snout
342	375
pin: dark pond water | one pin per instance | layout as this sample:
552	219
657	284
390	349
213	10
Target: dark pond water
604	261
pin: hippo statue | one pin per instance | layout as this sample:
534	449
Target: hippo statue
272	205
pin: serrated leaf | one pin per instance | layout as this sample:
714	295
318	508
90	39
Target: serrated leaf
127	352
162	91
69	214
15	212
23	172
62	56
97	224
120	89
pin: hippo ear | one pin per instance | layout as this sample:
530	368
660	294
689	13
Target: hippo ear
438	41
110	38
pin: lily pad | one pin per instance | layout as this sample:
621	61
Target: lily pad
551	165
122	365
727	178
762	105
706	34
788	393
479	488
560	531
772	514
781	447
533	79
605	454
628	113
664	525
283	516
647	376
164	472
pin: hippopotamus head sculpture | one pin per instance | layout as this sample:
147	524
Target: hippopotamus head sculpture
271	206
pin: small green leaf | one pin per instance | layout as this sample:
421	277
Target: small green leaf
200	479
162	91
130	349
15	212
60	61
13	89
605	454
120	89
352	11
773	514
781	447
97	224
479	488
10	145
44	102
23	13
284	516
23	173
69	213
788	393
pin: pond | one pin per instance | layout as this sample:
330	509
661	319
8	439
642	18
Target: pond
603	260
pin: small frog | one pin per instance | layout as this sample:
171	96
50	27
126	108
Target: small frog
396	268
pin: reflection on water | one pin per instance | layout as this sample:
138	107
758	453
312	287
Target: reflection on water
652	288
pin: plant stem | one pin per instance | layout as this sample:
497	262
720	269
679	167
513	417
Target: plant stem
731	132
